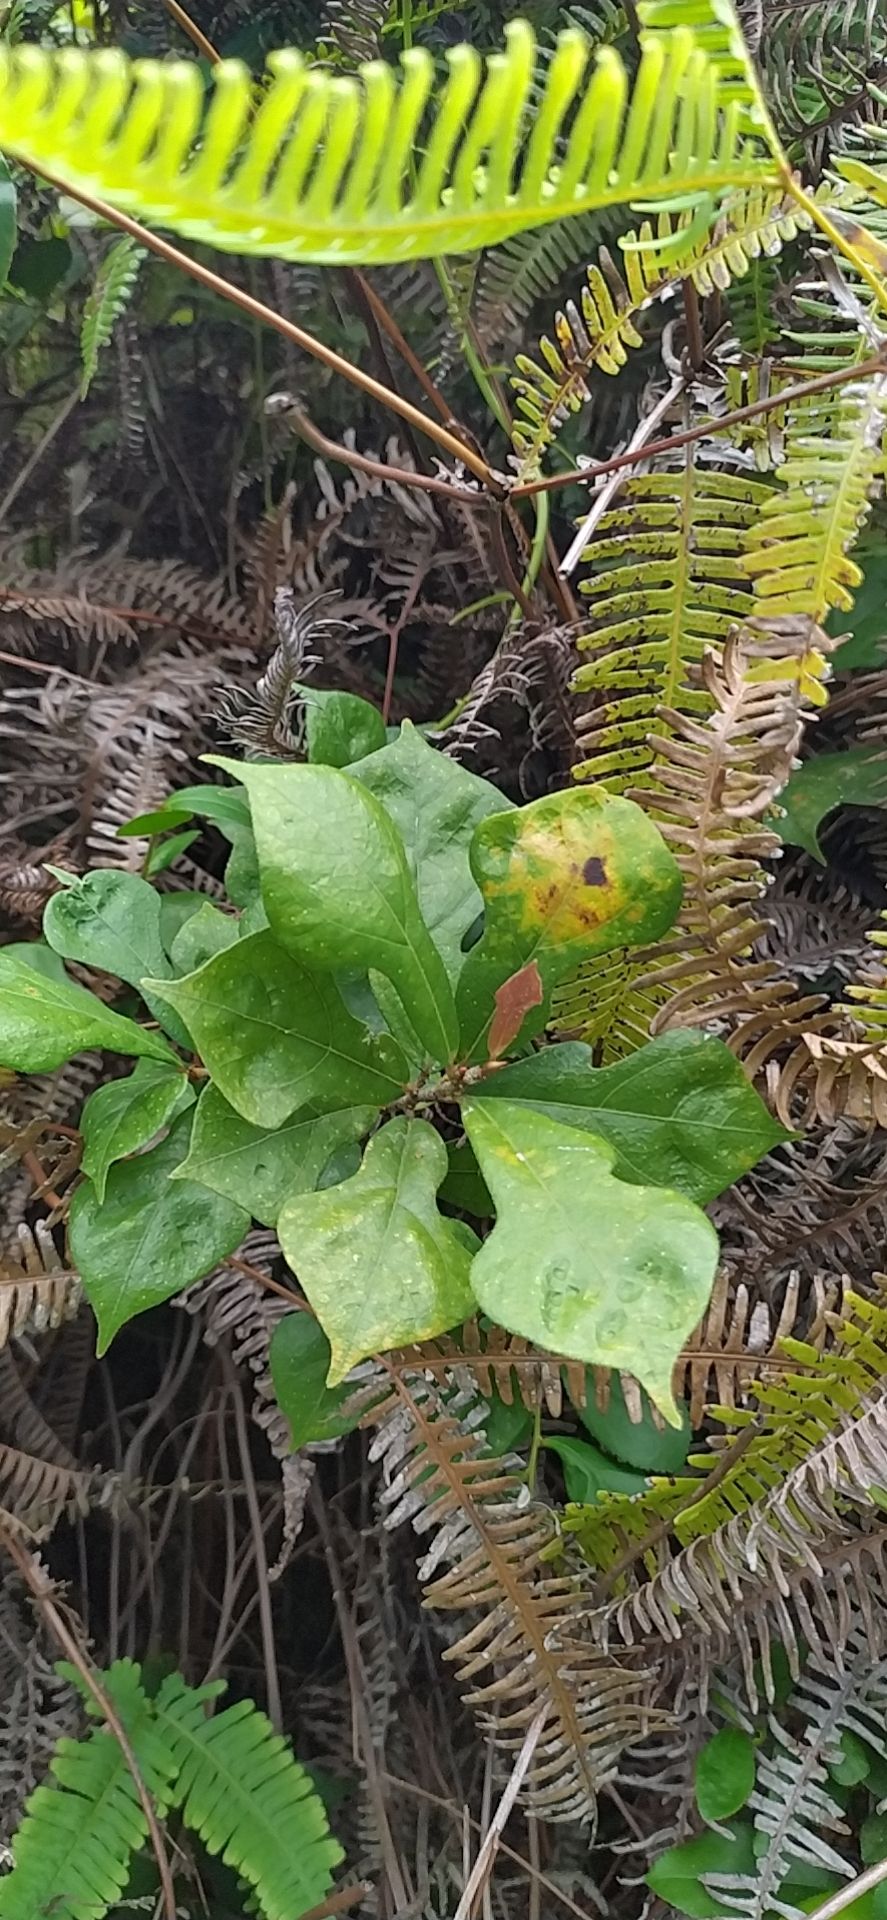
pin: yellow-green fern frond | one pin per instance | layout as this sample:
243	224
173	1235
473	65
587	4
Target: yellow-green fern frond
715	25
607	1008
600	331
323	169
798	549
794	1414
669	582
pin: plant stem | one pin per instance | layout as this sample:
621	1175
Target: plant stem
37	1584
226	290
586	476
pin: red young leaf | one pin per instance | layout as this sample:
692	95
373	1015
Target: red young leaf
514	1000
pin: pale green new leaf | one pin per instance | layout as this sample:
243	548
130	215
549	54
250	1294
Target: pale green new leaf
150	1236
276	1038
338	892
124	1115
582	1263
44	1022
382	166
378	1262
260	1167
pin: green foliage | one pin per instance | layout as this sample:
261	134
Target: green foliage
7	221
340	727
234	1779
338	892
124	1116
855	777
680	1113
325	171
725	1774
667	581
292	1028
300	1362
571	1257
44	1021
378	1262
261	1167
150	1235
566	877
111	294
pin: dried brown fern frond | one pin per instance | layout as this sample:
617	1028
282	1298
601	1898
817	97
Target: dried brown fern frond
784	1544
37	1291
269	721
237	1309
490	1534
714	781
740	1342
35	1493
816	1202
115	600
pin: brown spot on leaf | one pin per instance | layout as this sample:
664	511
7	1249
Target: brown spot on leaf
594	873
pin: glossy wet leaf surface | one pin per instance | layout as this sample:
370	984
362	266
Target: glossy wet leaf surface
124	1115
45	1021
261	1167
572	875
855	777
151	1236
275	1037
300	1362
340	727
436	804
580	1262
338	892
111	920
377	1260
679	1112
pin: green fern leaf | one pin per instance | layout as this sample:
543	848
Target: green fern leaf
798	549
72	1852
322	169
239	1787
668	583
110	297
600	331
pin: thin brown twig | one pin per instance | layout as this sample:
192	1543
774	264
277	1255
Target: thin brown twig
389	326
263	1279
226	290
286	404
586	476
194	32
39	1586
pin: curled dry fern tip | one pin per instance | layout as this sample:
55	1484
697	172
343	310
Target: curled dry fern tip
321	171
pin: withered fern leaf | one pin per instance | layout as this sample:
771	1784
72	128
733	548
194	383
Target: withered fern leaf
486	1560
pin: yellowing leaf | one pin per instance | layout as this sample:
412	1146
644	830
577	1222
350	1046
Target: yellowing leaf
580	1262
570	876
380	1265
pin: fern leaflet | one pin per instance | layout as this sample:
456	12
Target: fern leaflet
321	171
72	1852
241	1790
109	298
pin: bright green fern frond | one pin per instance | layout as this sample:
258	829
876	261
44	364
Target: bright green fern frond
715	26
798	548
321	170
241	1790
72	1852
600	331
669	583
110	297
